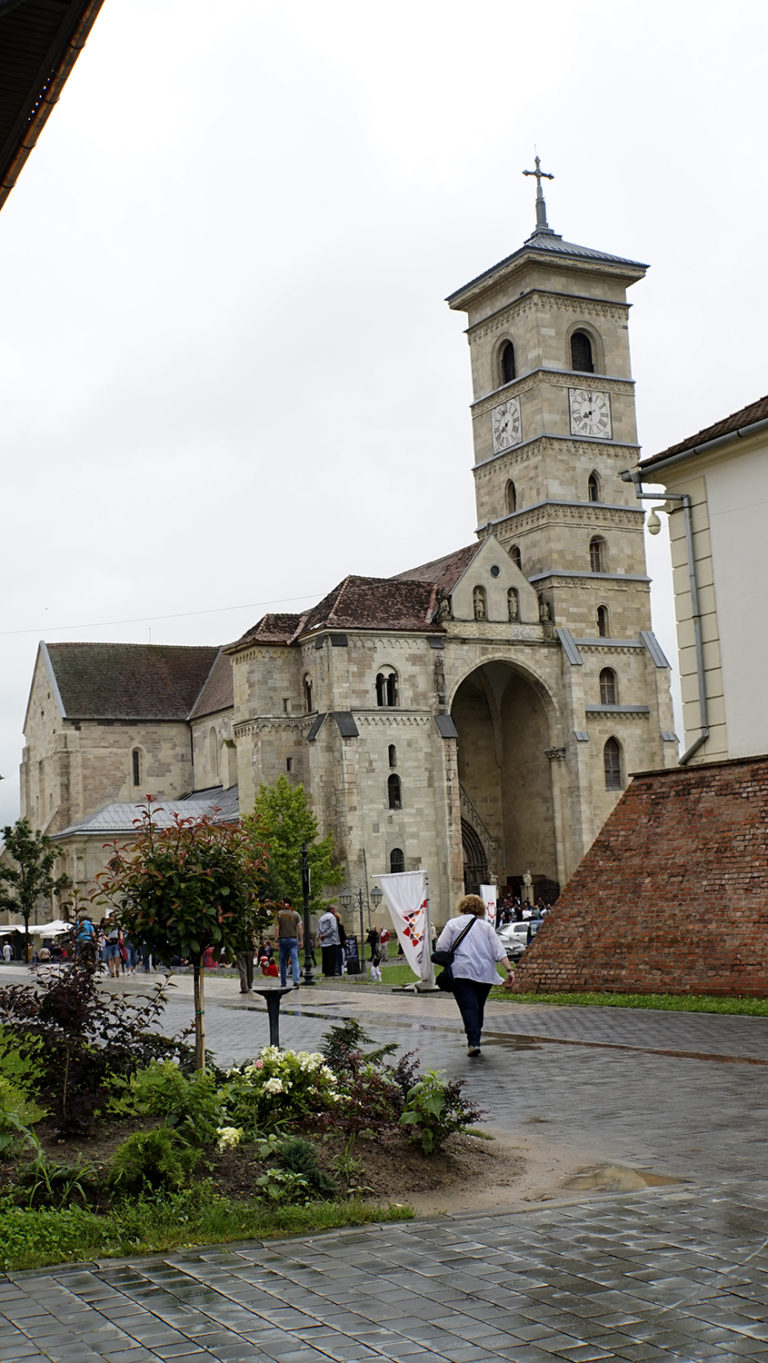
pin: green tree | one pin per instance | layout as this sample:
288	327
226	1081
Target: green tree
184	888
284	823
30	877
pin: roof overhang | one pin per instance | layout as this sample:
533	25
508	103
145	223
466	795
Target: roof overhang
40	41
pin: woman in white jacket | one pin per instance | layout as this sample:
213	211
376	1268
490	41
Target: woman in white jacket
474	964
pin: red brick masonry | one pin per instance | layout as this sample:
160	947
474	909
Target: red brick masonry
672	896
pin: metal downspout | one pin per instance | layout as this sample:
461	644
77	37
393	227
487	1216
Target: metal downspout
633	476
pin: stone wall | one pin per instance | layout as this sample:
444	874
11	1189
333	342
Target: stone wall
672	897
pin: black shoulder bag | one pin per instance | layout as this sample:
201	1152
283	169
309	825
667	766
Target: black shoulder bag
445	958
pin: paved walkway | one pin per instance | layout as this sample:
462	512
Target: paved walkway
673	1273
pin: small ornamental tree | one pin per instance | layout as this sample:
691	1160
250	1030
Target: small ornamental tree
30	877
283	822
187	887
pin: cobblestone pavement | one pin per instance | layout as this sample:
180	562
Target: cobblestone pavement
673	1273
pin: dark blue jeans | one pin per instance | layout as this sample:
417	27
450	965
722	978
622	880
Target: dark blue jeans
471	996
289	951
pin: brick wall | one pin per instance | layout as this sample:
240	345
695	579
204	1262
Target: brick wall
672	897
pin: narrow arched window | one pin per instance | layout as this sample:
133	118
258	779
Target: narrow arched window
386	687
602	621
581	353
593	488
396	860
136	766
514	554
308	694
511	496
513	603
213	756
597	554
479	603
608	688
392	755
507	362
612	764
394	793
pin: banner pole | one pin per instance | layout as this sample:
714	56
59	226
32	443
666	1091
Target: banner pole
427	981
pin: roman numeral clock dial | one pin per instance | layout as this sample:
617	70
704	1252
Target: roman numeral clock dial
590	413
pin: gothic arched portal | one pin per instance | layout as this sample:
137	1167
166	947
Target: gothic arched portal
505	776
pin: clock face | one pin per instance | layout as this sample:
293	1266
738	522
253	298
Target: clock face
506	425
590	413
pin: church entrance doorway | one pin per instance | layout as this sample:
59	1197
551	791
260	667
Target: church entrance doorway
507	807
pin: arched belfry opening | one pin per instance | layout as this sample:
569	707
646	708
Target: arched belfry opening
503	720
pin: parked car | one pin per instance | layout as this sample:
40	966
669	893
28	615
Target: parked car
514	939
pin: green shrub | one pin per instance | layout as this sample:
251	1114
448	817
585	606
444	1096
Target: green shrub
152	1160
44	1182
191	1104
434	1109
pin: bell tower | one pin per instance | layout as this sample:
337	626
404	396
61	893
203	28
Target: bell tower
554	424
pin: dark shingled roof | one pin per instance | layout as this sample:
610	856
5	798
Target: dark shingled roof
374	603
545	242
217	693
444	572
746	416
130	681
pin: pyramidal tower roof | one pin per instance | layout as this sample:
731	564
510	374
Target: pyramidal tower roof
546	244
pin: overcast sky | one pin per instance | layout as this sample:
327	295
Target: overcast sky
229	377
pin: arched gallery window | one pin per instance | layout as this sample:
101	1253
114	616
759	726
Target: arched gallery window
511	496
593	487
308	694
479	603
612	764
386	687
507	362
514	554
396	860
136	766
581	353
394	792
608	688
602	622
213	755
597	554
392	750
513	603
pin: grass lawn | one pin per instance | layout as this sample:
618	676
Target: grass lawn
398	973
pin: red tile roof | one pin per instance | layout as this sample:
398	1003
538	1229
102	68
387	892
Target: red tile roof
746	416
444	572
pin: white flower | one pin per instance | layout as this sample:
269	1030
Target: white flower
229	1136
273	1086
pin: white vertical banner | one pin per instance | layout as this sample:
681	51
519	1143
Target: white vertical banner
406	896
488	894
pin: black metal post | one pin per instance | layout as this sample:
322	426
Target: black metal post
308	977
362	939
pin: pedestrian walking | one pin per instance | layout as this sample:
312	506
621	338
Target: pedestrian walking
474	964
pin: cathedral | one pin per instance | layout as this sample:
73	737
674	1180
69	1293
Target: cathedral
477	716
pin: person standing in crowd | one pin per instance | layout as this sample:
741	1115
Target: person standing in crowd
474	964
7	952
289	937
244	963
372	941
328	937
85	940
342	943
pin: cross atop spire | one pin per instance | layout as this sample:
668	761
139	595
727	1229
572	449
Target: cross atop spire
541	208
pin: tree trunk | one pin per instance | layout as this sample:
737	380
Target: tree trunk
199	1014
